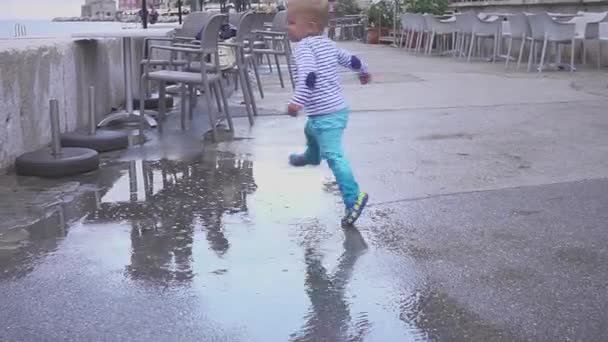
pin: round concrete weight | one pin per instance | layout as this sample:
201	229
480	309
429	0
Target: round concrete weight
101	141
72	161
153	102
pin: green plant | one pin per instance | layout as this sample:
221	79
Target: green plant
436	7
380	14
347	7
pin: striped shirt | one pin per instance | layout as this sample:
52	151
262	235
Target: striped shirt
317	85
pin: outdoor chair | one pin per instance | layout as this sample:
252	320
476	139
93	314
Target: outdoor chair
439	29
277	44
588	28
244	59
416	28
485	29
464	25
206	79
519	29
192	26
547	30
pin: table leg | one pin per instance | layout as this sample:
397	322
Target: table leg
129	114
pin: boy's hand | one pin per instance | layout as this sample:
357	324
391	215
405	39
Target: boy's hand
365	77
293	109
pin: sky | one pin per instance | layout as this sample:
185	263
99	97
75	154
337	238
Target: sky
39	9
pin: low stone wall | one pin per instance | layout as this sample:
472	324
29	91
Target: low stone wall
34	71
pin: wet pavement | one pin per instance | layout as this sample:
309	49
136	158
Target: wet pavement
487	223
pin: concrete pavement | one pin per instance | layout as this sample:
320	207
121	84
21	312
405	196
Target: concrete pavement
487	222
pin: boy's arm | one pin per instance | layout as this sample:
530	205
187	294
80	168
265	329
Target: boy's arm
353	62
305	78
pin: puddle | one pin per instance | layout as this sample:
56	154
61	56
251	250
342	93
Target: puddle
218	242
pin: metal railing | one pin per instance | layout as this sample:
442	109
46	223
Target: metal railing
20	30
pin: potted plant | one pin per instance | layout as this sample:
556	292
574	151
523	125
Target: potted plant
435	7
379	20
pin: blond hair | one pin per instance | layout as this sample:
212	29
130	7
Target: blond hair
316	11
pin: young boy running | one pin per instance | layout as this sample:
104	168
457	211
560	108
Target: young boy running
319	94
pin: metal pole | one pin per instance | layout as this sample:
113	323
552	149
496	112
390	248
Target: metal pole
395	8
55	136
144	13
179	11
92	120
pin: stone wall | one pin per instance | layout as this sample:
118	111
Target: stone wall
34	71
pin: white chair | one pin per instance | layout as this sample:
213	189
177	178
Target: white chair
464	26
483	29
406	29
588	28
415	28
441	29
519	29
546	30
603	38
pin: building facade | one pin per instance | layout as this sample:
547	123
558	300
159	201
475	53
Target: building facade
129	5
98	8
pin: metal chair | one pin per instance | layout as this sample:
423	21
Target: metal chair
204	78
193	24
244	59
277	44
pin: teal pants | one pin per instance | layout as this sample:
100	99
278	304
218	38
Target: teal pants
324	141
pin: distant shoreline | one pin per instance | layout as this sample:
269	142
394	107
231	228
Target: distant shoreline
110	20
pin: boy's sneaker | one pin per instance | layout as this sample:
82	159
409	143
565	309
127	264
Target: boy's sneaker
353	214
297	160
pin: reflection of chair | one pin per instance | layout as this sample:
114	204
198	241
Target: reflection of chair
179	196
206	79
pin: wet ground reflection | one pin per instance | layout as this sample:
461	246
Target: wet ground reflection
329	318
21	249
199	245
167	201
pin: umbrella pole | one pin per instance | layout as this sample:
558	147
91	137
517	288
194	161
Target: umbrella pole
144	13
179	11
394	44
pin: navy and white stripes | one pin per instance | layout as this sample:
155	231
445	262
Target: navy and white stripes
317	85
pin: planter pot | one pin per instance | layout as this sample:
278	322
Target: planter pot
373	34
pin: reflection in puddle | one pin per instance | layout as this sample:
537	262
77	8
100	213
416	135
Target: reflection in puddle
330	316
176	242
165	202
22	248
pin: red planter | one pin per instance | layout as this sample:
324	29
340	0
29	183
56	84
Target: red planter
373	34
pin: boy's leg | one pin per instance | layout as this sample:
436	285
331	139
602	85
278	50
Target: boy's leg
328	131
312	155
